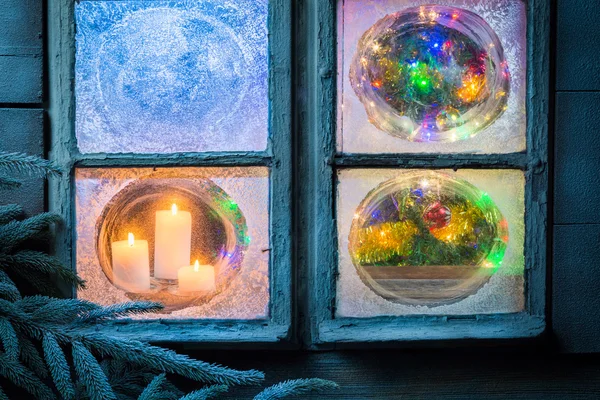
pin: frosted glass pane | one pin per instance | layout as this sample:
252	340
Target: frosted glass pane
417	77
171	76
220	218
430	242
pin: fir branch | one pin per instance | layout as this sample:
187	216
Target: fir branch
31	357
59	369
8	289
164	360
43	263
31	303
42	283
14	233
206	393
9	339
89	372
295	388
24	378
63	311
7	183
120	310
28	165
3	395
152	391
10	212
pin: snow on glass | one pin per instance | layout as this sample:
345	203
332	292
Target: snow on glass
422	77
477	267
229	231
171	76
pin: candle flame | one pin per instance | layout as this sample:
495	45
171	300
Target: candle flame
131	239
196	266
174	209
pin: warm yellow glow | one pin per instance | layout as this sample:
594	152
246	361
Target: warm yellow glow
196	266
131	239
174	209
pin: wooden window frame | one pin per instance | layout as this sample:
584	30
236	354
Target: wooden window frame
277	328
321	161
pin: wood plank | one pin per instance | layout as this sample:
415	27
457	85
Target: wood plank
21	79
577	55
575	287
22	130
577	158
517	373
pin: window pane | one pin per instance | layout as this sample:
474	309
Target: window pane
415	77
171	76
140	231
430	242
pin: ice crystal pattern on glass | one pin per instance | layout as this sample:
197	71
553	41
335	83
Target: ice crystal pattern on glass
164	77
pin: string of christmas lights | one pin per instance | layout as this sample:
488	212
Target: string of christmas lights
426	220
431	73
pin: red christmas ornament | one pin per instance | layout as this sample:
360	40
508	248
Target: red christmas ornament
437	215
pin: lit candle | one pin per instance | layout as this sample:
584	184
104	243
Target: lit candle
131	265
197	278
173	235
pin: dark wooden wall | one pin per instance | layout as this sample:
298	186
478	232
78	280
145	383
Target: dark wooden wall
548	369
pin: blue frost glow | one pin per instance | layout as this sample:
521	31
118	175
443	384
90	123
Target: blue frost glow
171	76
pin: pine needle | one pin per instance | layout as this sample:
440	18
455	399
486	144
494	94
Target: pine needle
31	303
63	311
153	389
16	232
295	388
9	183
3	395
164	360
27	165
24	378
206	393
43	263
8	289
32	358
9	340
120	310
59	369
91	375
10	212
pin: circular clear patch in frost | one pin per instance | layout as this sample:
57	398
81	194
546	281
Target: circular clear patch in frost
431	73
427	238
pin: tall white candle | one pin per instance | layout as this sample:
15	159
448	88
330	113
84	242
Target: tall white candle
197	278
131	265
173	242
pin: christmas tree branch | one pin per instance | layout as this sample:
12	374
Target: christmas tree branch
27	165
295	388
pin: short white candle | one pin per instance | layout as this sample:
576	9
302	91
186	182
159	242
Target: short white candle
197	278
173	242
131	265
